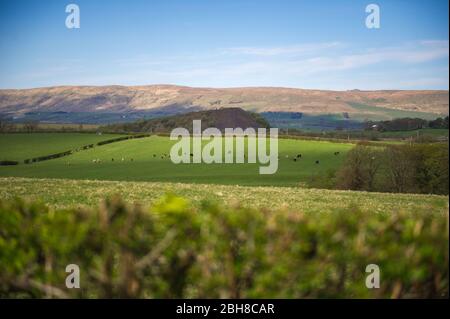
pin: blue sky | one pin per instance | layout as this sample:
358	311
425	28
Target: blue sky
227	43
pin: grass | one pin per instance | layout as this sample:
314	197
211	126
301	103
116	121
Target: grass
75	193
141	177
422	132
140	164
377	113
20	146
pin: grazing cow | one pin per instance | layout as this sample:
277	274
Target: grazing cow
336	153
295	160
154	155
112	159
299	155
317	162
123	159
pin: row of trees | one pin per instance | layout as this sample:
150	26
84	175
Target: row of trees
29	126
417	168
407	124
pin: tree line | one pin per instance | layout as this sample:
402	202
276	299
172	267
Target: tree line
417	168
406	124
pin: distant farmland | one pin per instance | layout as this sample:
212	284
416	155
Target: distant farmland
147	159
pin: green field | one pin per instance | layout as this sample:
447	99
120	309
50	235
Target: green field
74	193
377	113
421	133
214	223
145	174
143	161
21	146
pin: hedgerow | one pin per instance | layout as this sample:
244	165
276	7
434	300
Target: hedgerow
173	250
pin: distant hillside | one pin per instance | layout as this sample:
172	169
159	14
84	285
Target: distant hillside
221	119
171	99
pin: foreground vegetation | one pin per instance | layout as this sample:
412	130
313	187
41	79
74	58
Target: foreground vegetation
174	250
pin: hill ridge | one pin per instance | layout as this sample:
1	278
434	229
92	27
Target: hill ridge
119	98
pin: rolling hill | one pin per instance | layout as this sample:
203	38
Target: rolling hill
171	99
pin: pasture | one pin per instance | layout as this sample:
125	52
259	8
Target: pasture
426	132
147	159
273	220
20	146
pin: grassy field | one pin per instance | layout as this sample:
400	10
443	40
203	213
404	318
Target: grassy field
332	121
20	146
422	132
298	242
143	161
144	175
376	113
75	193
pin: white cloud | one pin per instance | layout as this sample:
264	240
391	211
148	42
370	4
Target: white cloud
320	65
274	51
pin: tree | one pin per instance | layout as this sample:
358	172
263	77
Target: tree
433	173
401	168
30	126
3	125
360	169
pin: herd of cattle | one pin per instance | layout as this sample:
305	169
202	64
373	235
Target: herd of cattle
164	155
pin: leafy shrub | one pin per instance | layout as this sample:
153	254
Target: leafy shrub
173	251
47	157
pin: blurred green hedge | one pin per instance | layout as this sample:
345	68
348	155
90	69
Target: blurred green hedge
175	251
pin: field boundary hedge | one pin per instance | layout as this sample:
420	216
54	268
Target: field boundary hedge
8	163
173	250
